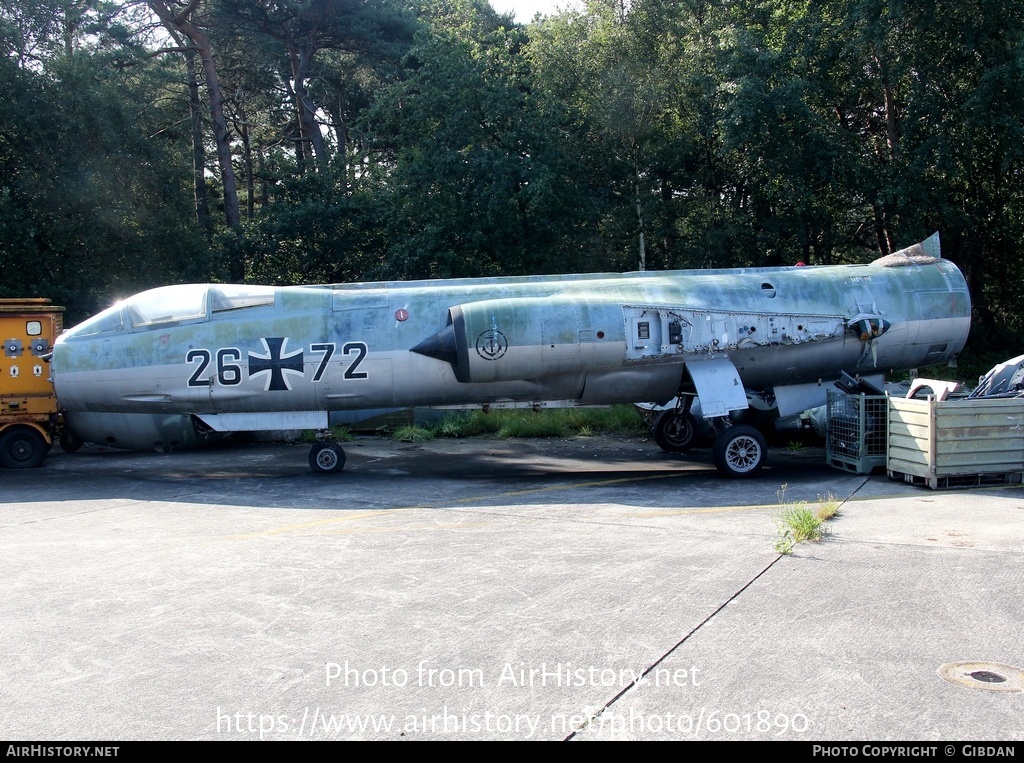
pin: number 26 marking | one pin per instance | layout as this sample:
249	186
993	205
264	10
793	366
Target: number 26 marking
203	356
228	374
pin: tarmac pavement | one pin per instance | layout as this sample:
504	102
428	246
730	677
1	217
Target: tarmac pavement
474	589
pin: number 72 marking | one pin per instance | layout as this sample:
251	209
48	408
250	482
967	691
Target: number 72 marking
327	349
348	349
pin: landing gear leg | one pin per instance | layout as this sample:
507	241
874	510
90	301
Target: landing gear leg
69	442
326	457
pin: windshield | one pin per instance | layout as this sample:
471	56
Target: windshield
237	296
168	304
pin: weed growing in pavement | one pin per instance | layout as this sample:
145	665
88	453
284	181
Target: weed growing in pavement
799	523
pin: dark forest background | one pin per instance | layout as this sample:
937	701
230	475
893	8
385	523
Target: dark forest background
146	143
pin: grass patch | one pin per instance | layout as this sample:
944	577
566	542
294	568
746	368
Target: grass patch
529	424
799	523
340	434
828	508
468	424
410	433
548	422
334	434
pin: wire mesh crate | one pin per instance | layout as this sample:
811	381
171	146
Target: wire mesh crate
856	425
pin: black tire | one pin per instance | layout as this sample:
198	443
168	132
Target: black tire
675	431
22	447
326	457
740	451
69	442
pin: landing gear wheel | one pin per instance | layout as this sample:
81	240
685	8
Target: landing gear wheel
69	442
740	451
22	447
675	431
326	457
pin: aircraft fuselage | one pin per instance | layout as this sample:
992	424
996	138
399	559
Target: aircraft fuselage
245	357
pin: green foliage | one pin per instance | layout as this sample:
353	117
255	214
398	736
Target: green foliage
341	434
93	204
442	139
311	234
410	433
466	424
799	523
474	181
520	425
828	507
621	420
334	434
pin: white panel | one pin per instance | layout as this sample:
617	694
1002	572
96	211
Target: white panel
718	386
258	422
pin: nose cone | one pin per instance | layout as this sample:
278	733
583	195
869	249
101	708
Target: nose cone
58	363
441	346
80	378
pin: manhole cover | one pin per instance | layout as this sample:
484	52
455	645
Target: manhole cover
992	676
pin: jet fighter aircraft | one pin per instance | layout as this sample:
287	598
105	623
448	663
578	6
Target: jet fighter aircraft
228	358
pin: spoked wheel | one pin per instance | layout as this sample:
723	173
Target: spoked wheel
675	431
326	457
740	451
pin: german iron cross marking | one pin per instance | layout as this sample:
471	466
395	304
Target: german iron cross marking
276	363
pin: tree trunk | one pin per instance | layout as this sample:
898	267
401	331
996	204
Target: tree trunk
179	23
639	206
250	194
198	147
301	60
341	137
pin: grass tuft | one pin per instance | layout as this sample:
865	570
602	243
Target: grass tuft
827	508
799	523
340	434
410	433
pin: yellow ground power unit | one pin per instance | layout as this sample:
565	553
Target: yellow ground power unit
29	411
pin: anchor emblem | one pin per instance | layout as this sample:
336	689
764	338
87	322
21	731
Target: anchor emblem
491	344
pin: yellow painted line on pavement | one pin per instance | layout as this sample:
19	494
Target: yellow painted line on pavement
569	486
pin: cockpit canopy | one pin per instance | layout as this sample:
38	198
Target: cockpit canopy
184	303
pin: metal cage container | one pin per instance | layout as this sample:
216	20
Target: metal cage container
856	426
